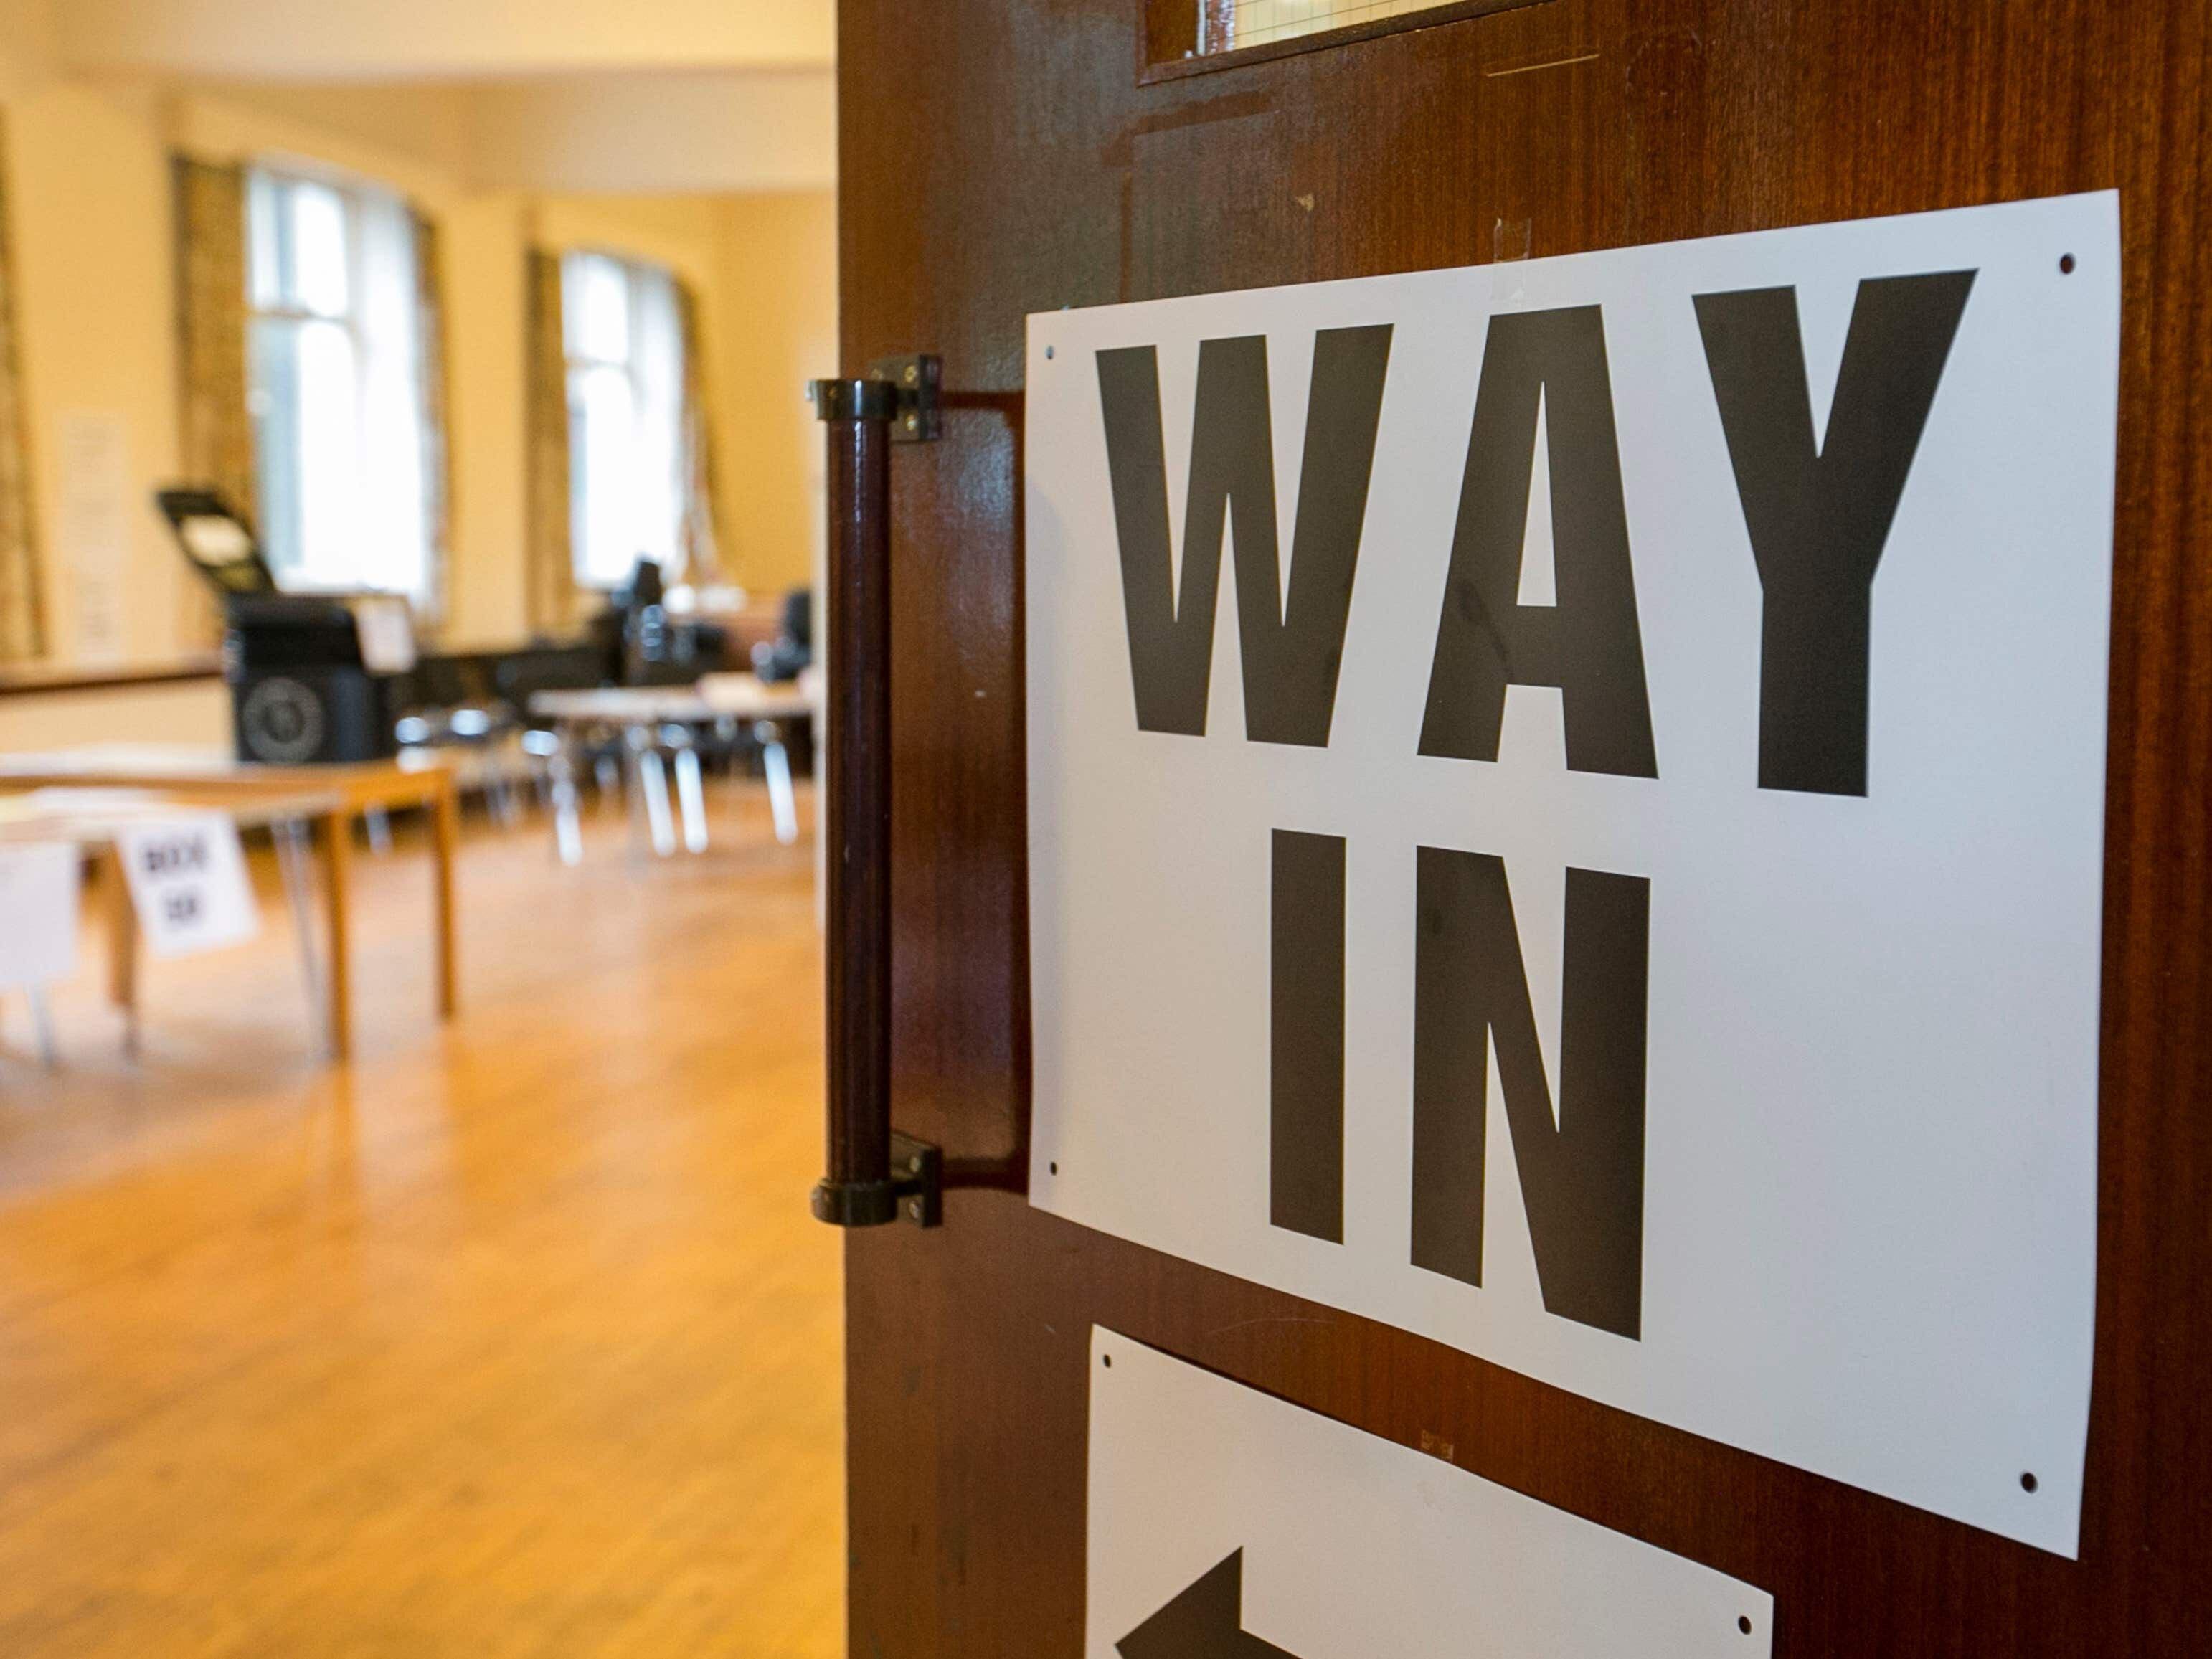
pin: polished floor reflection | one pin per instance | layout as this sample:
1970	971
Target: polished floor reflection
516	1340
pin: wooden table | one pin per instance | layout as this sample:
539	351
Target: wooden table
209	778
643	716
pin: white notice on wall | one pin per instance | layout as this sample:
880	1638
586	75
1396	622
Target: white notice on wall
93	533
1566	815
1223	1521
188	883
38	915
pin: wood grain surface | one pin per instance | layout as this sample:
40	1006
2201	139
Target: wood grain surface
515	1339
1000	157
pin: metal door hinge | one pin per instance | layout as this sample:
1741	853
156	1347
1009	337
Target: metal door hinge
903	392
915	1193
917	1173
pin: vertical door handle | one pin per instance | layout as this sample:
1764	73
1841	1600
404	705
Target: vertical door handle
874	1176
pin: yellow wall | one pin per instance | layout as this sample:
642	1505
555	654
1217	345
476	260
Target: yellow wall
89	200
390	39
195	712
484	237
775	328
88	191
765	268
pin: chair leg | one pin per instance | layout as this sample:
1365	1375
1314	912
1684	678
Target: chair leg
653	776
649	793
379	830
690	796
775	762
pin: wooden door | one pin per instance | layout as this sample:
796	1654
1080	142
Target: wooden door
1001	157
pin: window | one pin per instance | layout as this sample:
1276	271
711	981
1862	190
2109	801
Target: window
337	370
1226	25
624	341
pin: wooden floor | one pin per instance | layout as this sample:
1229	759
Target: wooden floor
518	1340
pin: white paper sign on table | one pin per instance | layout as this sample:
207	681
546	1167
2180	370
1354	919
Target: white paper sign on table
38	915
188	883
1567	815
1218	1513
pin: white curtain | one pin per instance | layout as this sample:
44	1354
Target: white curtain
395	520
660	452
624	334
337	382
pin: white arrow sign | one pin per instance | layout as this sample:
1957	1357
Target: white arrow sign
1227	1524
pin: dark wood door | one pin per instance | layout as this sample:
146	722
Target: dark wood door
1001	157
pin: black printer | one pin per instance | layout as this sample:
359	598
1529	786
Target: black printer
315	679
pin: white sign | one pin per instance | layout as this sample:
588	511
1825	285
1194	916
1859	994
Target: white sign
188	883
1217	1511
94	529
1566	811
38	915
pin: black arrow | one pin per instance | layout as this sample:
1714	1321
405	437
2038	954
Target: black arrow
1206	1621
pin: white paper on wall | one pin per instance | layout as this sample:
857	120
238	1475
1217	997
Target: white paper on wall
188	883
1216	1511
1724	1049
38	887
93	530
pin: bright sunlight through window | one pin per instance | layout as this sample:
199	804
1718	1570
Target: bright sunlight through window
625	354
337	386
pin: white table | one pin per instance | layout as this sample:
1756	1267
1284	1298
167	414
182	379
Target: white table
652	721
194	775
95	819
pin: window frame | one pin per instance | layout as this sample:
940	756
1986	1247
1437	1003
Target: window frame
1173	45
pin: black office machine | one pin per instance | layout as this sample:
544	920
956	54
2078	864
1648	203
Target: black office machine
644	644
315	678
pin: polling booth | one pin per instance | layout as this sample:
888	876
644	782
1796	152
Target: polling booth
315	678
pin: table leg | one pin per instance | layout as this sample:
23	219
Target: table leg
337	881
122	947
445	837
290	836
